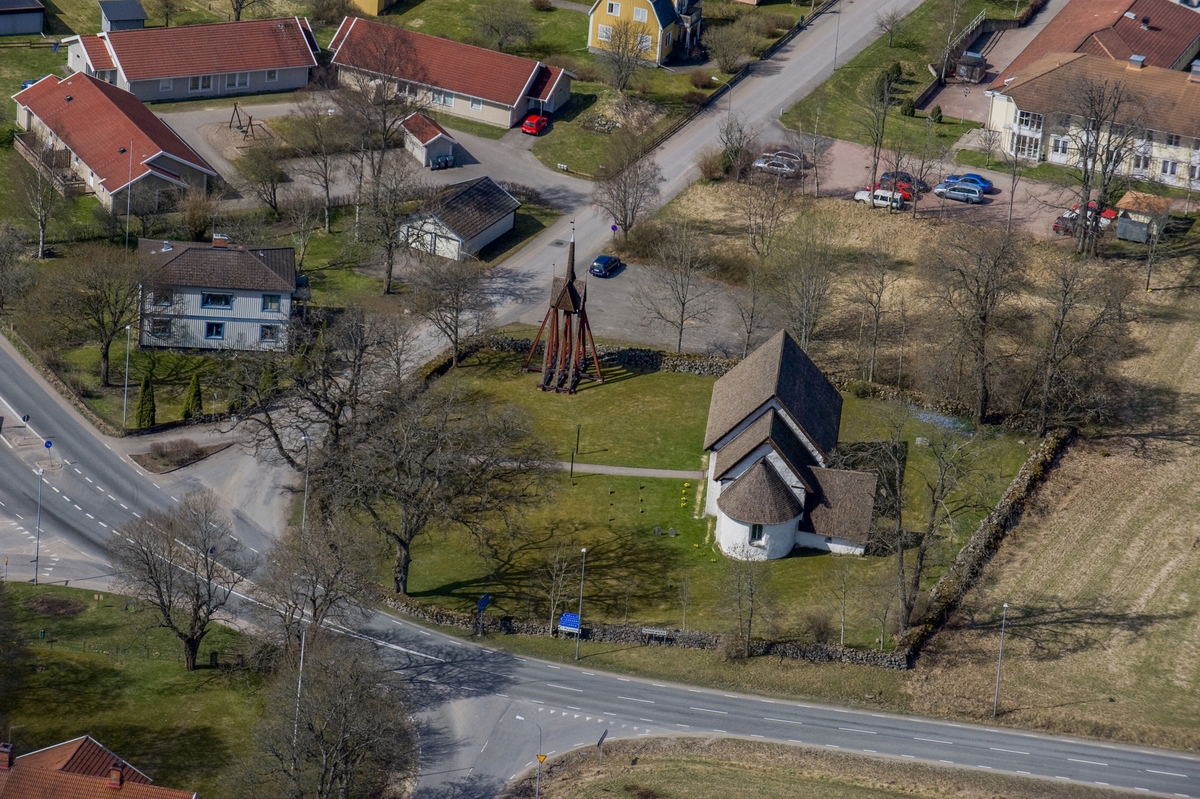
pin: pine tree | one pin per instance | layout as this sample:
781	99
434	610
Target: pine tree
192	404
145	415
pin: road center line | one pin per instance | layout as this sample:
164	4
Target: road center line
1010	751
865	732
934	741
781	721
1166	773
1089	762
632	699
706	710
565	688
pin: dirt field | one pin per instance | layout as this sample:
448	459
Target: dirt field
1103	577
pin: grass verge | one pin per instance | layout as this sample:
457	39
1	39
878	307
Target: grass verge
100	671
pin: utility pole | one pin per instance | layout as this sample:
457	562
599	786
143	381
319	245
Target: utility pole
125	407
299	684
37	550
1000	660
304	507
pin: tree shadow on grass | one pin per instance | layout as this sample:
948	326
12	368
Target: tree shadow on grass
172	756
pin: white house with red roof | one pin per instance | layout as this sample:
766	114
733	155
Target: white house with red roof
426	139
450	77
107	138
225	58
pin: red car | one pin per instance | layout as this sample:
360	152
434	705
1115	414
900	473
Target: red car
901	188
535	124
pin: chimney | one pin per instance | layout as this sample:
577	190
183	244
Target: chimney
167	246
1137	61
1145	23
6	757
1195	76
116	775
221	241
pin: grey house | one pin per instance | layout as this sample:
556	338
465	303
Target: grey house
21	17
121	15
463	219
195	61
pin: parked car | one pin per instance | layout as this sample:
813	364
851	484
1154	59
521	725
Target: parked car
903	189
880	198
1065	224
777	166
963	192
1106	216
605	265
535	124
904	177
970	177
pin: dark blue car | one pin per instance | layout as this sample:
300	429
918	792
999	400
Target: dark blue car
605	265
971	179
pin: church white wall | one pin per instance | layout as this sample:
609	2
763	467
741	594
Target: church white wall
838	546
734	539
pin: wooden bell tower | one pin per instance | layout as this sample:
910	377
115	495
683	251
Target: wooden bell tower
568	336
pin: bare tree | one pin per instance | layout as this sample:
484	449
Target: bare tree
419	457
239	7
807	139
185	564
340	730
261	171
802	273
739	141
1156	232
39	198
90	299
889	23
727	45
751	305
872	105
389	194
768	200
1082	321
949	16
685	596
924	163
839	585
316	574
301	210
319	138
747	594
897	157
675	291
989	142
1012	165
626	52
375	99
976	273
17	276
632	184
166	8
881	602
455	297
872	280
505	24
198	209
555	579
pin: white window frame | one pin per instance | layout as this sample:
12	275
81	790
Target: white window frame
1142	162
614	9
206	300
271	75
1170	168
645	42
476	104
160	327
1194	172
1060	146
200	83
214	331
272	302
166	84
442	98
756	535
604	33
640	15
1174	139
237	80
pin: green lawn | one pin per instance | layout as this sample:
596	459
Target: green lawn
480	129
100	671
529	221
557	32
834	100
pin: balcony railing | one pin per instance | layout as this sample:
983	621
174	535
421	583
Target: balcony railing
55	165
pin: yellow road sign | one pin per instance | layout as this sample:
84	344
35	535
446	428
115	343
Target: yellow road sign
541	758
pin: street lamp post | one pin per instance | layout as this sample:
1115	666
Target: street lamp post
1000	660
125	407
537	790
37	547
304	508
836	36
579	622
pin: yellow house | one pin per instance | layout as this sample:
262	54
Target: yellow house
372	7
663	28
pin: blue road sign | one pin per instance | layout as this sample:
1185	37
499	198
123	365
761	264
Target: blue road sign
48	445
483	602
569	622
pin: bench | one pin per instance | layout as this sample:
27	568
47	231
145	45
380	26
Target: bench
655	632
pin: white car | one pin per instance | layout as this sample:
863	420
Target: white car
880	198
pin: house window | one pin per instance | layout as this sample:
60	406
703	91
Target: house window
214	330
200	83
1028	119
272	75
213	300
639	15
476	104
1196	144
1141	163
160	328
1059	146
667	40
1169	168
160	298
614	9
644	42
604	33
165	84
268	333
756	533
1026	146
1149	137
237	80
1173	139
270	302
1194	172
443	98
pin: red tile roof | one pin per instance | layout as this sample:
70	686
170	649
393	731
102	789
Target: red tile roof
97	53
382	49
96	120
152	53
544	82
21	782
423	128
83	755
1173	32
1077	20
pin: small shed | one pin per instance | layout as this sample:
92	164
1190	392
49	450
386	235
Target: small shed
972	68
426	139
1140	214
121	15
21	17
463	219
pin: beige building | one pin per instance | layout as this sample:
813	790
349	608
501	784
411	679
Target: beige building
1040	114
